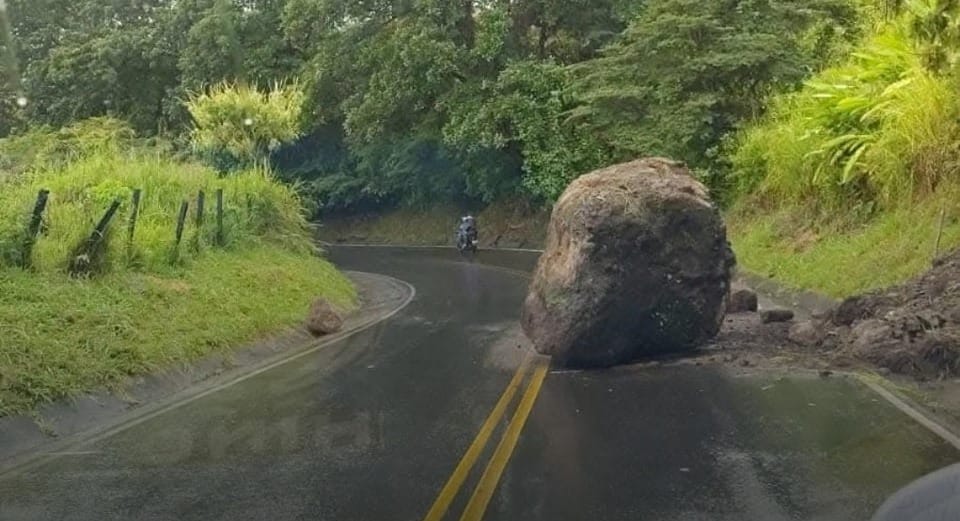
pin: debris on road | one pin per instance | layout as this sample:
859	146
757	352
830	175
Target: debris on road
323	320
807	333
912	330
742	301
776	315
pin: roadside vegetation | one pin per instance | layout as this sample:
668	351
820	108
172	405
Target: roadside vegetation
842	187
828	129
76	315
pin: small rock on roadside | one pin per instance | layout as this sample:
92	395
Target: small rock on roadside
869	333
807	333
322	319
742	301
776	315
853	309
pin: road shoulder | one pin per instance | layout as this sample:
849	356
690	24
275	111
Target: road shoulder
58	425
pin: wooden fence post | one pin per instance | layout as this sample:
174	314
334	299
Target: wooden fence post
132	224
89	251
38	208
181	221
198	233
101	228
33	229
219	236
936	247
201	197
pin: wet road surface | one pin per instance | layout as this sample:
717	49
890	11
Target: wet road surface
383	426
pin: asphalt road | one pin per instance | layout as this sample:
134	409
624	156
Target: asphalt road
437	413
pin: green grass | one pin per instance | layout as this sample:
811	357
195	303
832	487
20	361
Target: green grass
841	260
61	336
405	226
257	208
874	130
145	305
840	185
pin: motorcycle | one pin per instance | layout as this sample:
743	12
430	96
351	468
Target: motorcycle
467	240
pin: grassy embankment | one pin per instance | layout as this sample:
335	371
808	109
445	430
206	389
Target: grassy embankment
846	259
839	261
144	308
843	183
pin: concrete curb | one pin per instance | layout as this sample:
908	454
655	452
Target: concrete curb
27	439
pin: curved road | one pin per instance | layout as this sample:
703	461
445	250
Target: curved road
441	412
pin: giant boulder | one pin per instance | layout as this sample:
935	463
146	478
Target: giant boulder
637	263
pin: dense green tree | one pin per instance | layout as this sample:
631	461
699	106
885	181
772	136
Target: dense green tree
213	51
523	112
124	72
415	101
84	58
686	73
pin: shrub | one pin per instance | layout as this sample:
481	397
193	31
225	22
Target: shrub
43	147
244	123
871	132
257	208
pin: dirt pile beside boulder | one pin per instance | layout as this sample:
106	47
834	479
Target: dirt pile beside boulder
911	329
637	263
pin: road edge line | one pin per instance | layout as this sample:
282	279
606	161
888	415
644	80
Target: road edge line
946	434
260	370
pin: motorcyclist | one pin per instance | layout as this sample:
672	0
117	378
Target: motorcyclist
468	224
468	228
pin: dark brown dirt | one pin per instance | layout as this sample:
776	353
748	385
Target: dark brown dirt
911	330
745	341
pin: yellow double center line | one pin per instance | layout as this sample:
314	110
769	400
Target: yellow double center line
501	455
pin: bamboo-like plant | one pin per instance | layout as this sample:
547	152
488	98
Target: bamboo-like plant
244	122
877	129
